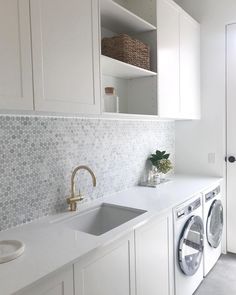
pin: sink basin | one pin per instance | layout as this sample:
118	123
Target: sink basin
103	218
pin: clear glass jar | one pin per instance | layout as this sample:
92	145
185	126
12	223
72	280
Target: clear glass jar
111	100
154	176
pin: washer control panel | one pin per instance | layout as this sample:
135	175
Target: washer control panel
212	194
189	208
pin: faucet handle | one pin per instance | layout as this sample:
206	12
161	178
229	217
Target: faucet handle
80	196
76	198
72	201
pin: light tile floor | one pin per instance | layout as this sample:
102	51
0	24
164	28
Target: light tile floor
222	279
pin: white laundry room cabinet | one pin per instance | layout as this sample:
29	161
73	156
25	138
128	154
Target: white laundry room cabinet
49	56
65	55
168	59
59	283
51	61
16	89
154	257
178	62
110	270
139	262
190	104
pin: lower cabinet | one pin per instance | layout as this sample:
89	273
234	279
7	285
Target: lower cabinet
154	257
140	263
60	283
108	271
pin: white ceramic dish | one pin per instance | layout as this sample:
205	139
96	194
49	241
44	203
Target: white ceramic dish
10	249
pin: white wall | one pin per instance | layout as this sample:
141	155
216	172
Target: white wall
196	140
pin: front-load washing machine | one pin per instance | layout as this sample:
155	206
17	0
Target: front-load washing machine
189	244
213	225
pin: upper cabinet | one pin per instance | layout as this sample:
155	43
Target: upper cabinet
189	67
51	59
66	55
62	37
172	88
178	62
168	58
135	86
16	90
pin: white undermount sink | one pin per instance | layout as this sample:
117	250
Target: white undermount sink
103	218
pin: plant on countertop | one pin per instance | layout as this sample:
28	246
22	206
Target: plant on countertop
161	161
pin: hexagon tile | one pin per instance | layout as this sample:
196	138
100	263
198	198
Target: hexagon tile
37	155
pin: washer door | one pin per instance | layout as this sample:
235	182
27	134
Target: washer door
191	243
214	225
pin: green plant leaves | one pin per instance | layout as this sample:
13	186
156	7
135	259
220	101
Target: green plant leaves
160	160
166	156
159	155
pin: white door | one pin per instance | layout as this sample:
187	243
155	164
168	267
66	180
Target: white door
168	58
231	138
108	271
16	91
189	67
60	283
154	257
66	55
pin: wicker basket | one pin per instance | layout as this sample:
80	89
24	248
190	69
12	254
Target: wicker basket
128	50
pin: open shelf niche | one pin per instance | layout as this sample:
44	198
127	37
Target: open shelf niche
119	19
135	87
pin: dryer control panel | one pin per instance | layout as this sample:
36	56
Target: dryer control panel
189	208
212	194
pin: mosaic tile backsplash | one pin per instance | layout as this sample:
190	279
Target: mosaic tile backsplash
38	154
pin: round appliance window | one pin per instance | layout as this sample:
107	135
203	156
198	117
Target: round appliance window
190	248
215	224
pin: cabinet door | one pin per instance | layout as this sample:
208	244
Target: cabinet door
109	271
66	55
154	258
189	67
60	283
15	56
168	58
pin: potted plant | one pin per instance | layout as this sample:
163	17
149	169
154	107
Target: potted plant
161	165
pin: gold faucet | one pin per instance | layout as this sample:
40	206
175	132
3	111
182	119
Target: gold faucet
73	198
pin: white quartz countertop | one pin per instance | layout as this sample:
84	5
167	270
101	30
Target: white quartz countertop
50	244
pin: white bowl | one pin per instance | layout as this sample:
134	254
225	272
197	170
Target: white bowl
10	249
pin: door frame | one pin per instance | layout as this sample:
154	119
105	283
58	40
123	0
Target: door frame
226	203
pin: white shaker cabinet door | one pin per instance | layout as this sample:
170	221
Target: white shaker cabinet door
65	45
60	283
168	59
154	257
16	91
189	67
107	271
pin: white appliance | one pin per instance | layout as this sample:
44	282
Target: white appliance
213	227
189	244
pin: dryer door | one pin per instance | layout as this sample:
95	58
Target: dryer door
190	250
214	225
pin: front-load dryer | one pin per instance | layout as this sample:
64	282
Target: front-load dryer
189	244
213	225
